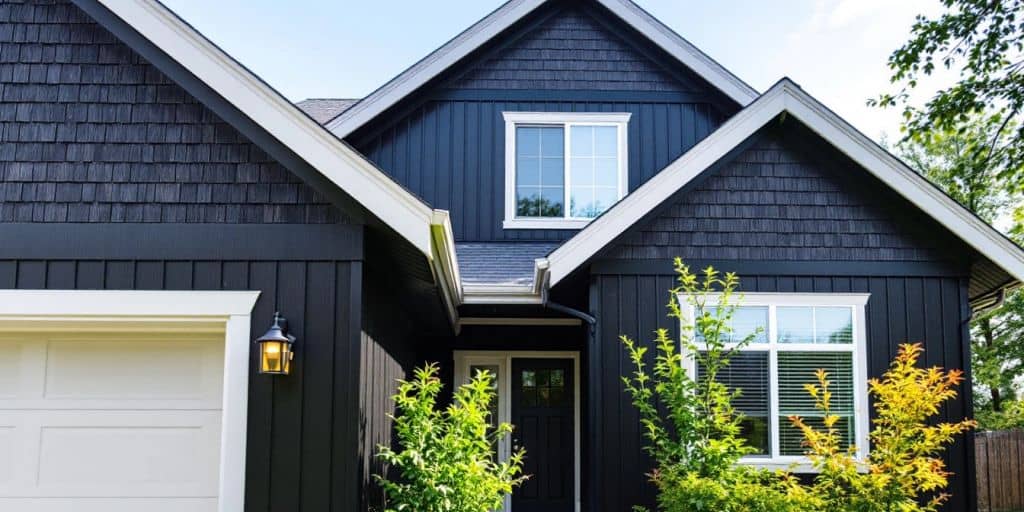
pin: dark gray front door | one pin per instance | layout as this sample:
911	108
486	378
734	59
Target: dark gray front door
542	412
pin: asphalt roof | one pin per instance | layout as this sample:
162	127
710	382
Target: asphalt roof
325	109
500	263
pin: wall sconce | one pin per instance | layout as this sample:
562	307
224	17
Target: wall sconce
276	348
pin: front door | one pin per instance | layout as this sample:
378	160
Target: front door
542	413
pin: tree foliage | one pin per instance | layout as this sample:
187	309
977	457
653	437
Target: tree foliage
696	443
446	459
958	162
983	40
904	466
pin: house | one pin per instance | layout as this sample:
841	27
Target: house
510	202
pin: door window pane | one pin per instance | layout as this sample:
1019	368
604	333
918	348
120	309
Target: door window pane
540	171
493	406
544	388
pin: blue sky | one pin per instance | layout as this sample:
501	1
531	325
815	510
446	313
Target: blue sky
835	49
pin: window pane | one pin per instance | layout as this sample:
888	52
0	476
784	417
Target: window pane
606	172
747	372
606	141
746	320
798	368
604	198
833	325
795	324
582	174
527	171
582	140
551	202
552	172
552	142
528	141
493	406
528	202
540	173
583	203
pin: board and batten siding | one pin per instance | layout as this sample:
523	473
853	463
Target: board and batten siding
929	309
447	142
302	433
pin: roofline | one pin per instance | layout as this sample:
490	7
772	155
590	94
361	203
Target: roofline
504	17
412	219
786	97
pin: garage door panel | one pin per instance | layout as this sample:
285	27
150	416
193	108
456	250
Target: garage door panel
113	453
109	504
132	369
125	422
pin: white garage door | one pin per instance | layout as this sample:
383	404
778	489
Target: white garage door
110	422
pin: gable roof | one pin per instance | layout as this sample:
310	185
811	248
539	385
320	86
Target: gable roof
784	98
504	17
325	109
426	229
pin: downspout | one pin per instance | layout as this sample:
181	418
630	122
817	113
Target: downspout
554	306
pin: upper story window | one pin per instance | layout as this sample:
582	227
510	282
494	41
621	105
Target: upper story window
796	335
562	169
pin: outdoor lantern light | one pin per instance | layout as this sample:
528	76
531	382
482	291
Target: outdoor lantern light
276	348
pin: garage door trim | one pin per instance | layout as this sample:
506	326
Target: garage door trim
230	309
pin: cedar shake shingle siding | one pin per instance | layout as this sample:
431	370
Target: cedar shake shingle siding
572	51
788	199
90	132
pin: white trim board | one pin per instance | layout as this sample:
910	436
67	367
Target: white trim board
785	97
504	17
503	359
231	310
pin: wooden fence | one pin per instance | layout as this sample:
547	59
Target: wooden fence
999	460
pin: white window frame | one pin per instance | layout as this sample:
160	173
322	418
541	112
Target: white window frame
226	313
856	301
566	120
464	359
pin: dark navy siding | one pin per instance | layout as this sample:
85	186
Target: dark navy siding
447	143
788	198
301	438
572	50
901	309
92	136
91	132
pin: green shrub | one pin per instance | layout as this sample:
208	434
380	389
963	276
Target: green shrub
446	461
903	471
697	445
692	431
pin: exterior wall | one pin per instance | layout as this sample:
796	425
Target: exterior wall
447	143
788	214
114	177
902	308
386	356
301	436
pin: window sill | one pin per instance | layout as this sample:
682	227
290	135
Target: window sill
798	465
545	223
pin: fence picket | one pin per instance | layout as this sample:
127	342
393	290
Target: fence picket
999	459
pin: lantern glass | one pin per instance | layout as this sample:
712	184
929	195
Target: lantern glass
275	357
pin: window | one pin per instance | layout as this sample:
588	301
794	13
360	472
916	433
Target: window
562	169
800	333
